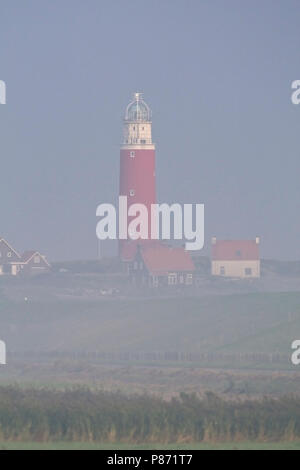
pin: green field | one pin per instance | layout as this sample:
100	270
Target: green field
58	341
234	341
240	323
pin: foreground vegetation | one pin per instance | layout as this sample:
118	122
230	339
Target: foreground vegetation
152	447
80	415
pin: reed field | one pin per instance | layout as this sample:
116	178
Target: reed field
81	415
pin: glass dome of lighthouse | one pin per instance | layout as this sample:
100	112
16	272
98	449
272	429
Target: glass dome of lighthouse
138	110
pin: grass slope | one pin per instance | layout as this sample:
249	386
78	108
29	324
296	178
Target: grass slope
258	322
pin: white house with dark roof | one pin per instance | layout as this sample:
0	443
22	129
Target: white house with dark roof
9	258
12	263
33	262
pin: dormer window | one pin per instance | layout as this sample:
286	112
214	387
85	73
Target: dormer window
132	192
9	254
132	154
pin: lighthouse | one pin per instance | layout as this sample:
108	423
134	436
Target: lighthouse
137	165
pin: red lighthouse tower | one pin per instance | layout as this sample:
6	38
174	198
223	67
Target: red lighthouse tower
137	165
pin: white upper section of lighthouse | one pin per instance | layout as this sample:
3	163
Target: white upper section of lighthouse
137	124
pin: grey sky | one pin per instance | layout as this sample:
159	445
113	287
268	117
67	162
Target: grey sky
217	75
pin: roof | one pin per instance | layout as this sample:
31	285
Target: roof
161	259
128	250
27	255
10	247
234	250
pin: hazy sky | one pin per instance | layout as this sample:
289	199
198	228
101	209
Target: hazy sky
217	75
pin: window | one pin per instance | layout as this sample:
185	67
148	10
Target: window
132	154
132	192
222	270
189	279
248	271
172	279
9	254
143	141
238	253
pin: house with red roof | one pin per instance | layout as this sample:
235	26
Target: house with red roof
235	258
156	264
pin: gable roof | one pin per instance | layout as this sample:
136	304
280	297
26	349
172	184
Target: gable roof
28	255
161	259
10	247
235	250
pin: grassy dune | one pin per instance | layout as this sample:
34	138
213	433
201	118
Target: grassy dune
258	322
